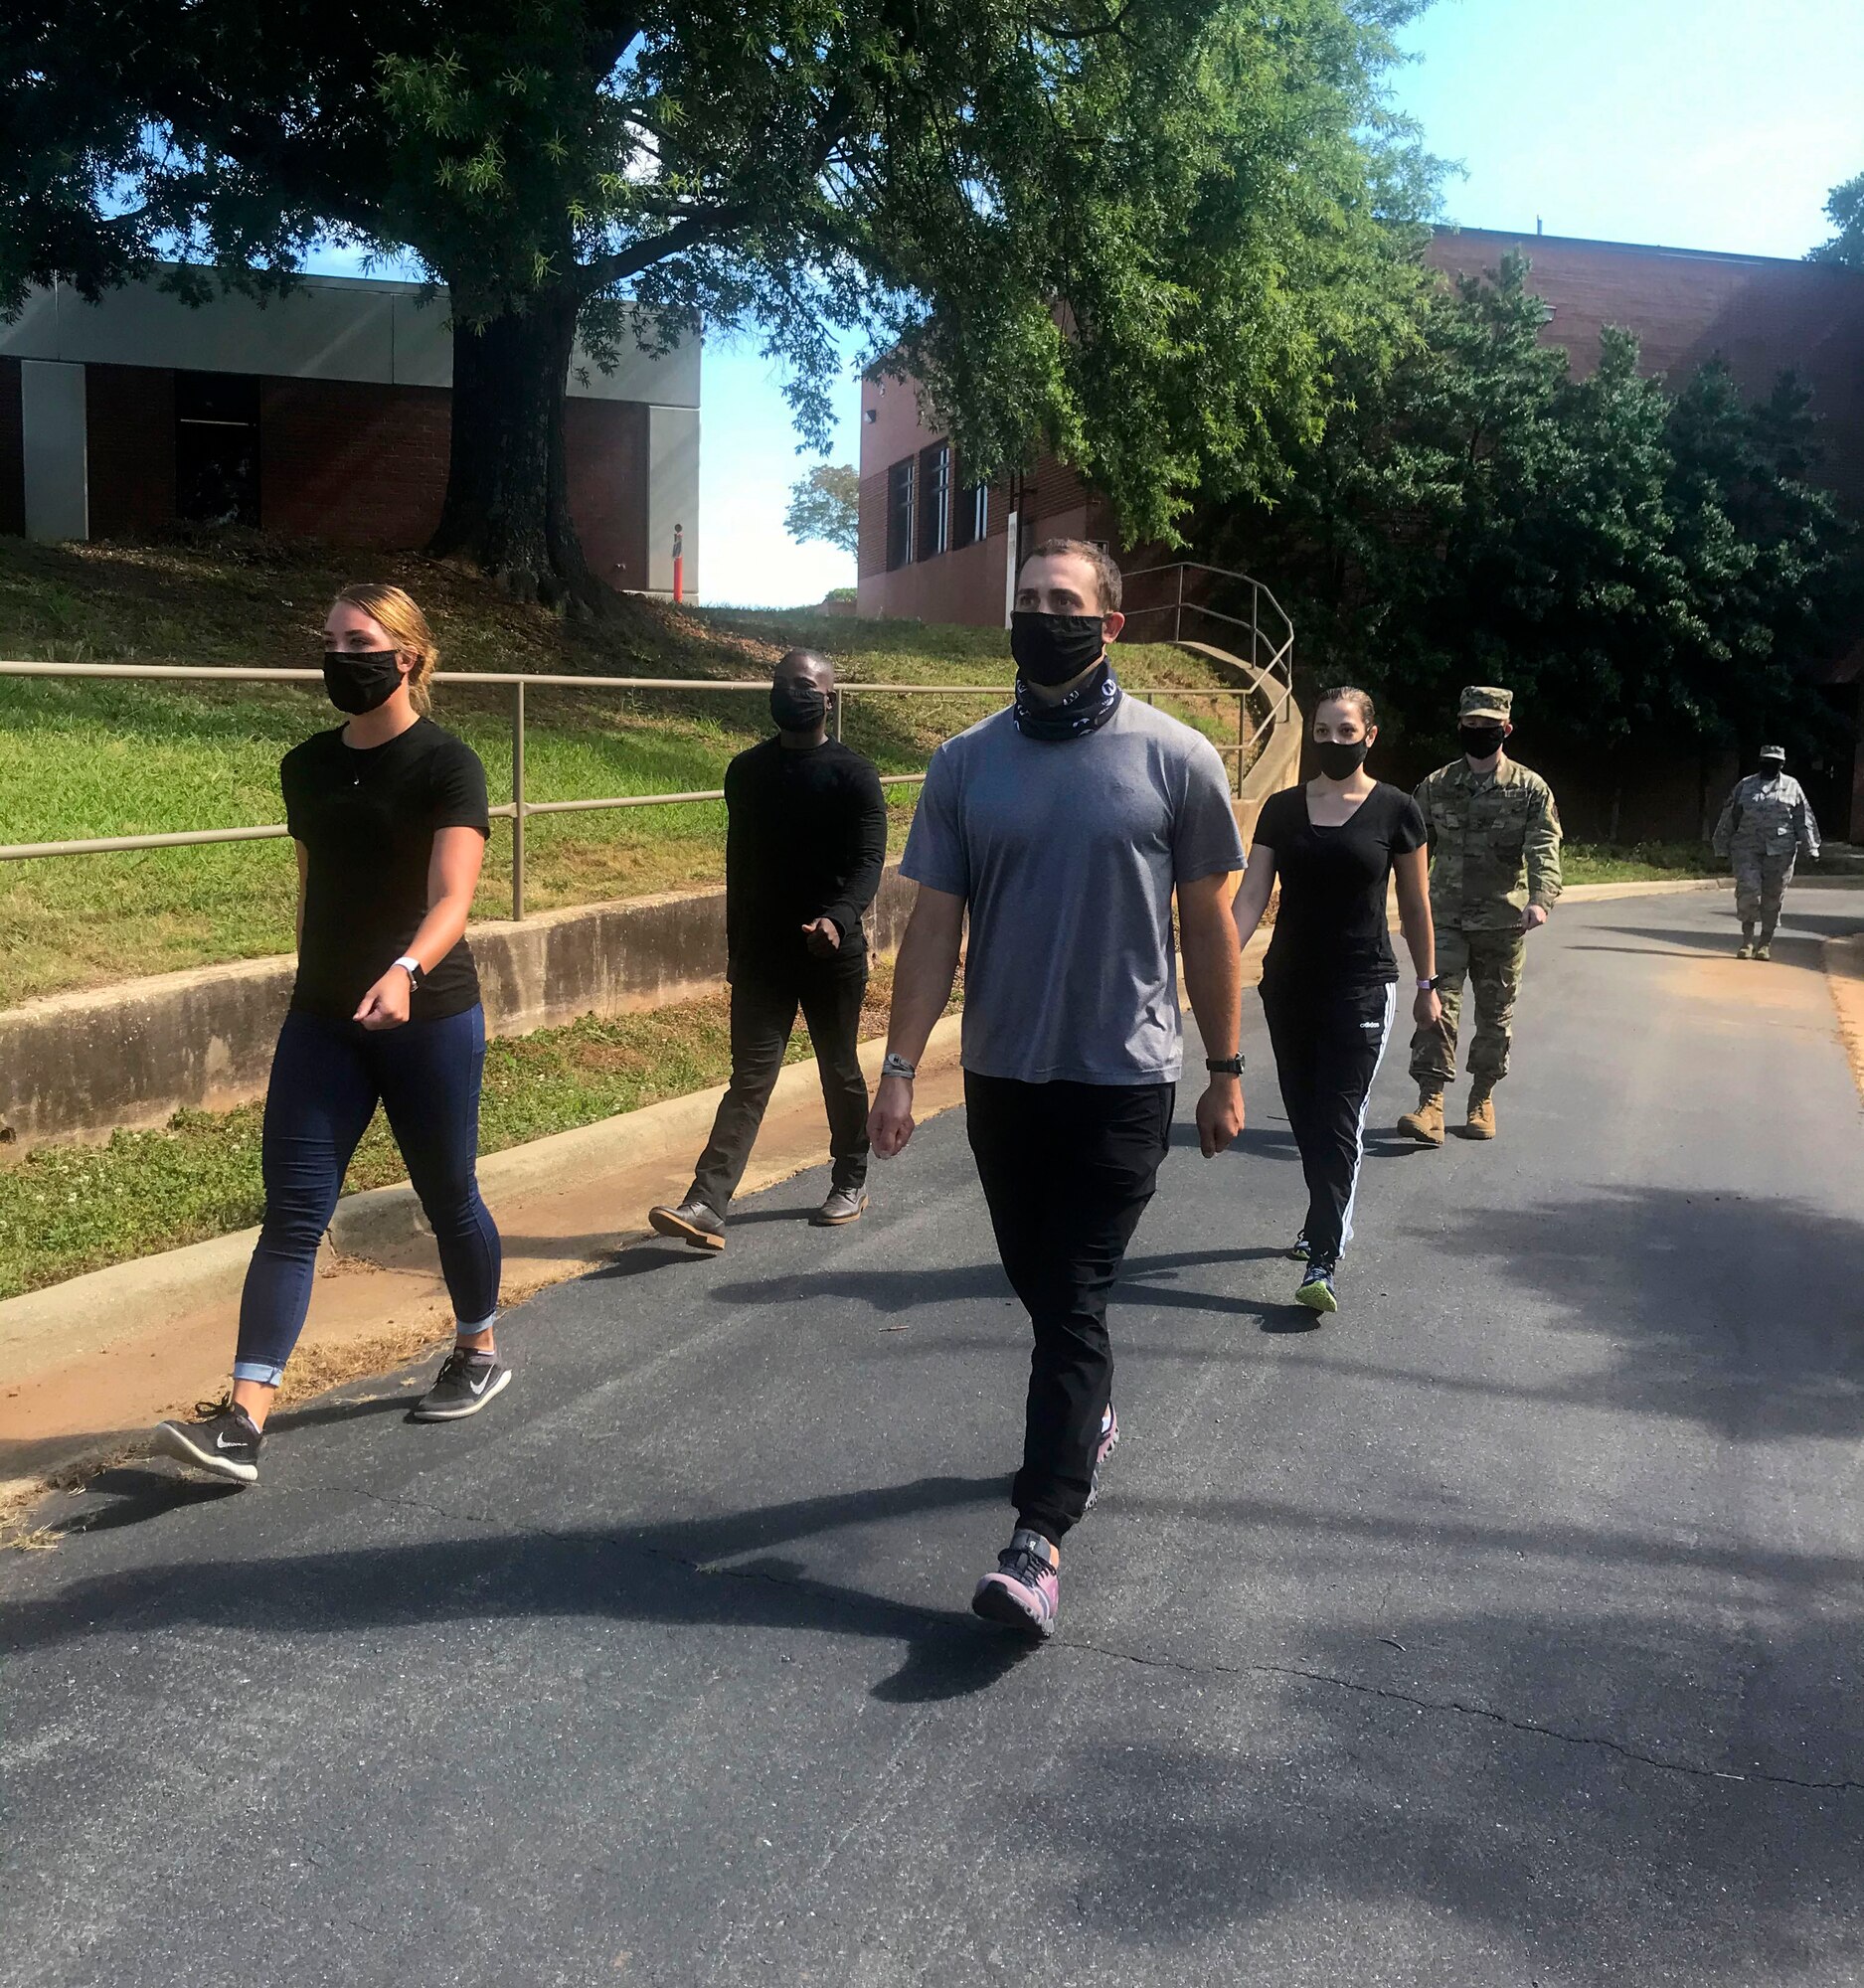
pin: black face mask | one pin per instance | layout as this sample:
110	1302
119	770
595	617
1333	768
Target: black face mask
1053	649
1341	758
797	707
1479	741
359	680
1771	769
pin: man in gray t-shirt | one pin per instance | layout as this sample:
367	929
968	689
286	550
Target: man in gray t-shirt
1064	827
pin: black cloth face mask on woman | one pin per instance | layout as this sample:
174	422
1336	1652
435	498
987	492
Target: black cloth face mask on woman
1341	758
357	680
1051	649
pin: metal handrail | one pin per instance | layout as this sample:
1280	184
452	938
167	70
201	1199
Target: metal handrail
519	809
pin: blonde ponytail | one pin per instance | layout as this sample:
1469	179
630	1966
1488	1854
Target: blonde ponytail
402	617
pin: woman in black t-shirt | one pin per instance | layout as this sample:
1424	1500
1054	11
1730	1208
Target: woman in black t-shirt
1329	980
390	817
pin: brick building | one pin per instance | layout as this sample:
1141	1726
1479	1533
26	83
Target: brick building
936	549
323	413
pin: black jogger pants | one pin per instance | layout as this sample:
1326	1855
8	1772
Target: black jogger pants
1067	1170
1329	1043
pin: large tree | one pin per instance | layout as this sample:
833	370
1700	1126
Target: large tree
825	506
1126	230
1633	561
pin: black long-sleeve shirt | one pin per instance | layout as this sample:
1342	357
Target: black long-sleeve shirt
807	840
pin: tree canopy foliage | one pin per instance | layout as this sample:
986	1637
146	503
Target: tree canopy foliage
1622	554
1126	230
825	505
1845	211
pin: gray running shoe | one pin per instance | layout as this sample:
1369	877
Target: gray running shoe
466	1381
222	1440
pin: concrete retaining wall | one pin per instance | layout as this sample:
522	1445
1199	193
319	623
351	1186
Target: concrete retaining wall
81	1064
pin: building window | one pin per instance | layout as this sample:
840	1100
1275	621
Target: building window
935	523
216	447
972	522
900	507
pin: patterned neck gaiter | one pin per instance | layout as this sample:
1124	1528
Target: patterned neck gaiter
1085	709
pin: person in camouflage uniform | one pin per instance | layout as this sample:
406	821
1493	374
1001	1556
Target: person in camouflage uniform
1766	824
1494	835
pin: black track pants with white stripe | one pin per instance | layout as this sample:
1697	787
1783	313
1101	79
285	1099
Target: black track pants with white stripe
1329	1043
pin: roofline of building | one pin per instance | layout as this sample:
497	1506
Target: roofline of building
1647	248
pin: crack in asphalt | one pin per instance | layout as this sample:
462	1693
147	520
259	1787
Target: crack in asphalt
1757	1777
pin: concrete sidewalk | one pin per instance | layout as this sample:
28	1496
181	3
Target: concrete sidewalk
1504	1630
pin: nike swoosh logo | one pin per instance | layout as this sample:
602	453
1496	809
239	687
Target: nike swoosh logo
479	1387
220	1442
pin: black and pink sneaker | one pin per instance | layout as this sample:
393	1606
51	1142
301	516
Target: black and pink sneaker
1110	1441
1024	1593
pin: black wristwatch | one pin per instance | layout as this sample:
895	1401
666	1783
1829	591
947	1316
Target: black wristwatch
1225	1065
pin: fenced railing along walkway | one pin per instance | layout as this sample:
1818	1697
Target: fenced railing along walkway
1270	663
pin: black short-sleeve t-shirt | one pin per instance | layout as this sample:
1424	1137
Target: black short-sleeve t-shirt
367	820
1331	927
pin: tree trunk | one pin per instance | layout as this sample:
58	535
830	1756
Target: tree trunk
507	506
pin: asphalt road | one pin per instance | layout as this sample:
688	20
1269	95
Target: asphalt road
1507	1628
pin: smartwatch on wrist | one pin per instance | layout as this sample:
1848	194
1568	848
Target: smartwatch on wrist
1224	1065
897	1066
411	967
1428	986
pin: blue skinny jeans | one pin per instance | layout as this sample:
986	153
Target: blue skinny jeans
327	1078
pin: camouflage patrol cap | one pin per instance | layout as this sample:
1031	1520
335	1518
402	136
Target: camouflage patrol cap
1485	701
1772	752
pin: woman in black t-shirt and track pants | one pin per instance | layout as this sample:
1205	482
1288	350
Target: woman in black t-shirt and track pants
1329	980
390	817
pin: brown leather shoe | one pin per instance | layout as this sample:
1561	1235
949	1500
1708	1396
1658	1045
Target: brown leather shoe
1481	1124
1424	1124
692	1223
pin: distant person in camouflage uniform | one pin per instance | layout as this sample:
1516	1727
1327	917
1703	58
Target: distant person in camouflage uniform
1494	835
1766	825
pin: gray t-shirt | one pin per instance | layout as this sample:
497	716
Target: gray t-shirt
1066	853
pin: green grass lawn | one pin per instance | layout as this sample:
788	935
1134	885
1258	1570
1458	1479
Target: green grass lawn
1635	862
65	1210
82	760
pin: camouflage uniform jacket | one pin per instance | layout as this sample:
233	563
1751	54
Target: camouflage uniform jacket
1494	844
1767	817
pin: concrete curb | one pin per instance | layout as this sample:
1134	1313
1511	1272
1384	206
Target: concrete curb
87	1314
1845	975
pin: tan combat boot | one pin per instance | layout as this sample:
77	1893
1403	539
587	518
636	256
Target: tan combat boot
1424	1124
1481	1124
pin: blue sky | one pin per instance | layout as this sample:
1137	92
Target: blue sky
1695	123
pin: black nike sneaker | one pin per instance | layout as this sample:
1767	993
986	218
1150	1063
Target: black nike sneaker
222	1440
467	1380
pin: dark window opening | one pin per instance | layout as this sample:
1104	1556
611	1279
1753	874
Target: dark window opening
900	508
216	448
971	525
935	524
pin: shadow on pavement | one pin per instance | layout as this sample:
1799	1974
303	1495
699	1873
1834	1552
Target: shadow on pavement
1494	1826
686	1573
1684	1292
1790	948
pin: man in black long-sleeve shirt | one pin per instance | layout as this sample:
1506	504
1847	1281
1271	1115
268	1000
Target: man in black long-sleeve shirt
804	853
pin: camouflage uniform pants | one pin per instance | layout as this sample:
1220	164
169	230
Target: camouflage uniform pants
1761	880
1491	962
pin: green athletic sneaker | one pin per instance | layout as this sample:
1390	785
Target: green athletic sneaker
1316	1291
